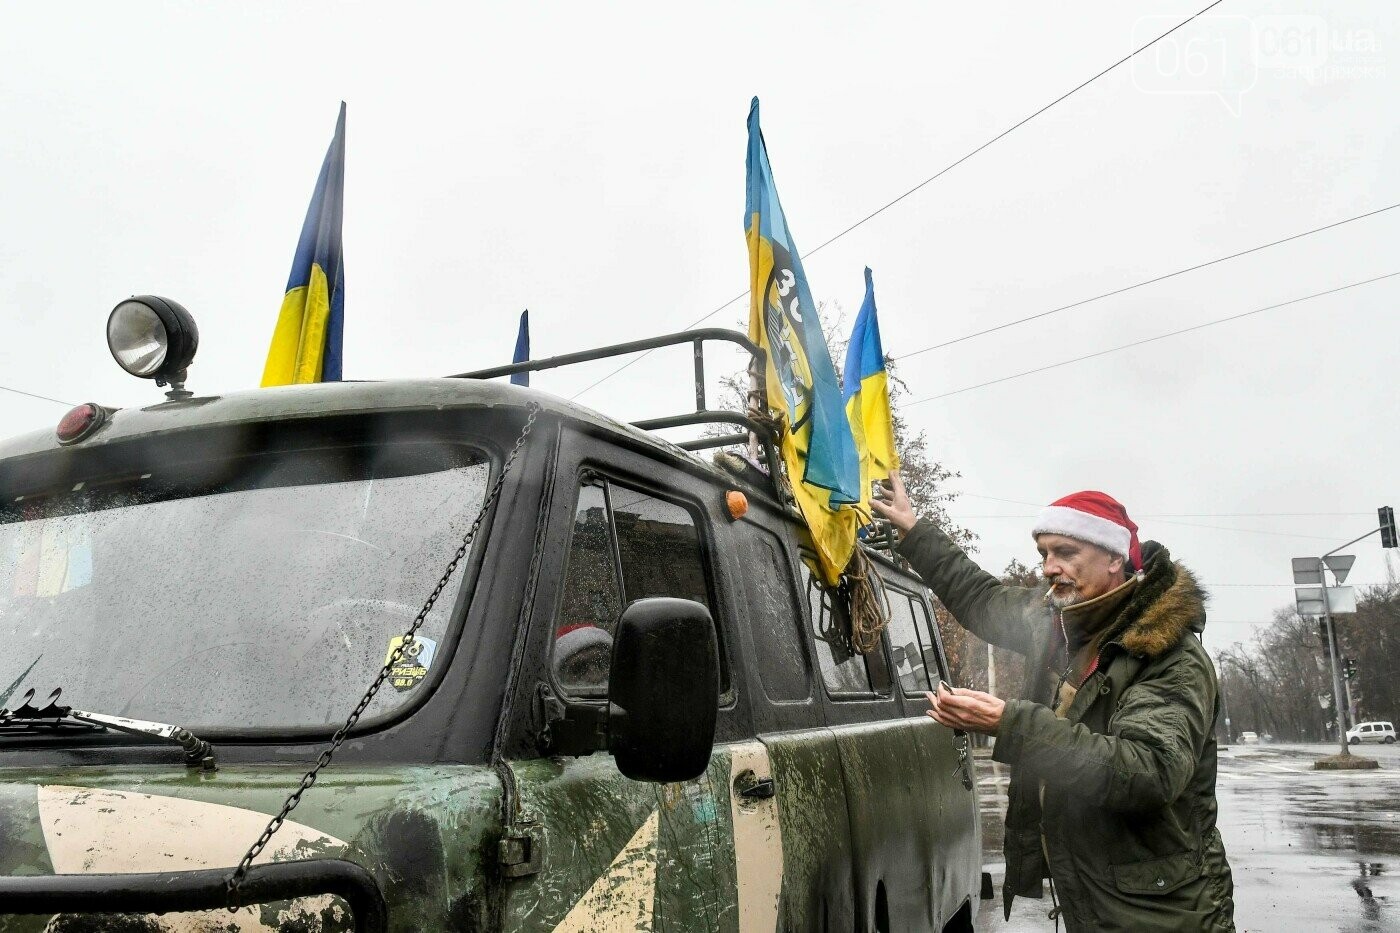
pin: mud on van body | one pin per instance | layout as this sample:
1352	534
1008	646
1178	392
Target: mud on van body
241	566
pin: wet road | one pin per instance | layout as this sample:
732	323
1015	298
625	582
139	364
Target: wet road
1310	850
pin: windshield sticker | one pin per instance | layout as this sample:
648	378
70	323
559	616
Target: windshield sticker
417	659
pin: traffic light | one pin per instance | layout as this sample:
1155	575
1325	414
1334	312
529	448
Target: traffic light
1388	538
1322	636
1349	669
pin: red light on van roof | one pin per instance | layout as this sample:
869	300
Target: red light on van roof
80	422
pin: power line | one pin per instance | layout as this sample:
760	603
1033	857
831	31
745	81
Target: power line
1162	519
1151	281
45	398
973	495
1280	585
932	178
1138	343
962	515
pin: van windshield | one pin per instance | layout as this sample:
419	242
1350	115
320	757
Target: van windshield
249	593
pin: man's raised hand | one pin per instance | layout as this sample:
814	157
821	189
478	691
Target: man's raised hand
893	503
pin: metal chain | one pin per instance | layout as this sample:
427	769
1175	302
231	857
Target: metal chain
309	779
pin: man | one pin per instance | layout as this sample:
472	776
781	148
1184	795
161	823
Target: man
1112	748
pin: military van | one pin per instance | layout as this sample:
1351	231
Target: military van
590	684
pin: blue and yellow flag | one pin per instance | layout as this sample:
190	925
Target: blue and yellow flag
307	339
522	349
865	384
817	446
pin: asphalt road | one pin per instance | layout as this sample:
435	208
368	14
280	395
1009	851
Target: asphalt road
1310	850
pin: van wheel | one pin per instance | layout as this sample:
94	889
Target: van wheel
961	921
1390	740
1353	741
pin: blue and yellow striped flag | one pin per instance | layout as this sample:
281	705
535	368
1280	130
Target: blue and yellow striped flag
865	383
307	339
801	382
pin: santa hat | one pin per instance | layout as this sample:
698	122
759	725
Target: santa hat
1095	517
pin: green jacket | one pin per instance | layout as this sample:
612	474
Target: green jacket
1118	796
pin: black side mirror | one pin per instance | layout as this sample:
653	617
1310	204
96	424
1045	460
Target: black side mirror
663	692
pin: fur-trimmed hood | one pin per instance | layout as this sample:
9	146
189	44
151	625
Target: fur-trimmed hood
1167	603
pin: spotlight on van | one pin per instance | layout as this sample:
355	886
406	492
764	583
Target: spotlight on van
154	338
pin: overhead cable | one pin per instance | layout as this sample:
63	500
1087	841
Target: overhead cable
932	178
44	398
1151	281
1138	343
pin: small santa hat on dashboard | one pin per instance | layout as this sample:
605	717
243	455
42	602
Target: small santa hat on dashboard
1095	517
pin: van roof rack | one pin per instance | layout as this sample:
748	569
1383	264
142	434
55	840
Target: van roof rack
756	429
760	433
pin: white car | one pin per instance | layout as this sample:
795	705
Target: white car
1372	732
1249	738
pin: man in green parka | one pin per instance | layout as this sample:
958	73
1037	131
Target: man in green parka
1112	747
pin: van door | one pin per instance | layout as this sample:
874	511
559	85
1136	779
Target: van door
792	858
900	858
950	799
585	848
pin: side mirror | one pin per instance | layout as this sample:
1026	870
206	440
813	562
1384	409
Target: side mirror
663	692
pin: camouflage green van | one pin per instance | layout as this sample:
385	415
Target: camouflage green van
627	709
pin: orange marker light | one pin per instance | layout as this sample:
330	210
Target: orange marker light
738	504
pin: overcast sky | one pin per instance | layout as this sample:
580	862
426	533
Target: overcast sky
587	161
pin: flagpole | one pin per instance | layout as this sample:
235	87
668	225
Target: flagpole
757	407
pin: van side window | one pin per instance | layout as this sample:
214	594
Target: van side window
775	617
658	546
934	662
626	545
909	645
845	673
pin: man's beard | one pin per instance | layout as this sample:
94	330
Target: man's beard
1069	598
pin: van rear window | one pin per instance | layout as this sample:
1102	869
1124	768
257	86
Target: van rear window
845	673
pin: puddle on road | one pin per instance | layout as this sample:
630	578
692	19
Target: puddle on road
1314	850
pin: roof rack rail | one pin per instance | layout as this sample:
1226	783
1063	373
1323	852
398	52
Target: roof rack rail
758	433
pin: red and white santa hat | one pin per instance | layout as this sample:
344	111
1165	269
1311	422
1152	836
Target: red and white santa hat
1095	517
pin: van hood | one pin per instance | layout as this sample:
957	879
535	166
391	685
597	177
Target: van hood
412	828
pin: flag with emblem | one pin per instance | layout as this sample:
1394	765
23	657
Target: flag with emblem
306	341
817	445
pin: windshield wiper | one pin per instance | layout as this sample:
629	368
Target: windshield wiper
52	717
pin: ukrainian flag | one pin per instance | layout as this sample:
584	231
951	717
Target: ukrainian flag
307	339
865	384
817	446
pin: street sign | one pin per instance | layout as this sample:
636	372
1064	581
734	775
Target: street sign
1340	565
1339	599
1307	571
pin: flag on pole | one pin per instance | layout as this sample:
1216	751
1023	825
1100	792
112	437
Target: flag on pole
817	446
306	341
865	384
522	349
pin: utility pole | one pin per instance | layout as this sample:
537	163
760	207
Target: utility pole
1313	570
1346	679
1332	654
1224	707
